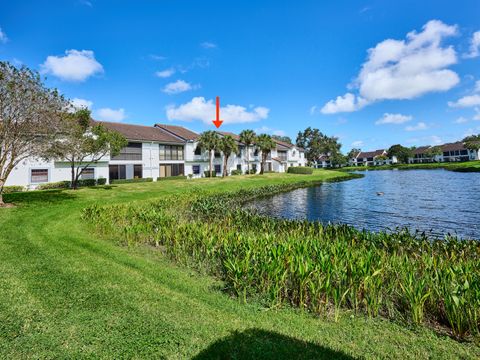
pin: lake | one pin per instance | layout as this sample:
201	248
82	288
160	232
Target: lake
435	201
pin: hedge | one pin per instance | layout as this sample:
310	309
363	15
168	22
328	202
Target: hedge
128	181
178	177
67	184
300	170
236	172
12	189
207	173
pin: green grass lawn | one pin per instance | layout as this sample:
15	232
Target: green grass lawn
66	293
467	166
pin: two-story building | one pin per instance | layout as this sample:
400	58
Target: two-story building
372	158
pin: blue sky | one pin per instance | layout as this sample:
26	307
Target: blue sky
373	73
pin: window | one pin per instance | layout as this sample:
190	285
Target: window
282	155
196	169
39	175
239	167
218	169
254	168
88	173
167	170
217	154
137	171
255	152
293	152
171	152
117	172
133	151
198	150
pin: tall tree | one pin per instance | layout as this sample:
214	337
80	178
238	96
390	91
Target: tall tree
472	142
283	138
353	153
433	151
209	141
30	117
265	144
317	144
84	143
228	146
248	137
402	153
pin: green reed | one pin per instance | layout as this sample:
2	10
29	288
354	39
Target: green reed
321	269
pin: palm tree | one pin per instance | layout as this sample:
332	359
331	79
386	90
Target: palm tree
209	140
227	146
265	143
248	137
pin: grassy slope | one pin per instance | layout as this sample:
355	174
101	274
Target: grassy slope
66	293
472	165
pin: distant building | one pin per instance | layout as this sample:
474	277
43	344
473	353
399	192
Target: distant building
372	158
451	152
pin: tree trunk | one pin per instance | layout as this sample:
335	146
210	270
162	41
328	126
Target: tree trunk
2	183
248	159
73	185
262	165
211	163
225	160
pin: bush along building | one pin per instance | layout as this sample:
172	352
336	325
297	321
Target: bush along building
155	153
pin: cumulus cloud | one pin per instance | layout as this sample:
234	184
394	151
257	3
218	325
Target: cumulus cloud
461	120
76	65
165	73
177	87
200	109
474	50
417	127
3	36
78	103
208	45
466	101
108	114
388	118
403	69
346	103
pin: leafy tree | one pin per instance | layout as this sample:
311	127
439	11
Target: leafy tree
227	146
285	139
30	117
84	143
209	140
433	151
353	153
248	137
401	152
472	142
265	143
317	144
337	159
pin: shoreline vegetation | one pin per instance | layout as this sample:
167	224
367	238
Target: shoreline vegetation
467	166
330	290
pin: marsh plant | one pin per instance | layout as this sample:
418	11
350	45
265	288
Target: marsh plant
323	269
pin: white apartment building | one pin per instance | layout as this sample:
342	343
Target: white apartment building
156	152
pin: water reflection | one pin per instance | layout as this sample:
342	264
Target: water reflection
435	201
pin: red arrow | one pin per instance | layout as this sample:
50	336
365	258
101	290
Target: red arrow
217	122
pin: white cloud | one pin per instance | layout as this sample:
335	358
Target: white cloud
266	130
81	103
177	87
388	118
346	103
108	114
358	143
208	45
313	109
461	120
165	73
76	65
405	69
157	57
474	50
200	109
3	36
466	101
418	127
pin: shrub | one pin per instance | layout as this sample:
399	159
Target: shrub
12	189
178	177
86	182
236	172
300	170
101	181
54	185
207	173
129	181
252	172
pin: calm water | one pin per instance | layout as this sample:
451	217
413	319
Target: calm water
435	201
